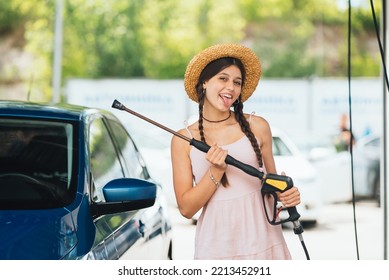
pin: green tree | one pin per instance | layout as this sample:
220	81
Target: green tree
102	39
156	39
25	34
175	30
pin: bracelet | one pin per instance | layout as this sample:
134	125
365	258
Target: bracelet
217	183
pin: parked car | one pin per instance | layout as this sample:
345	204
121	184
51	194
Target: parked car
289	159
366	160
73	185
334	171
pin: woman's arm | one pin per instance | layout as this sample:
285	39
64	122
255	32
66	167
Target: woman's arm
262	131
191	199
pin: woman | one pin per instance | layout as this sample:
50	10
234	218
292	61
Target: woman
233	223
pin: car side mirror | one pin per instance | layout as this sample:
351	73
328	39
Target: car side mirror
125	194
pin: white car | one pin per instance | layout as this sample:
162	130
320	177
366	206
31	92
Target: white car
367	156
290	160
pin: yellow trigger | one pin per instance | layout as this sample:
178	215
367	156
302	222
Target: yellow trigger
281	185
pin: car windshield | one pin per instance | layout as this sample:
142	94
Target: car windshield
38	166
279	147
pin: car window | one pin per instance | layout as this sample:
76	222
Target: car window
38	167
104	161
280	148
375	143
134	166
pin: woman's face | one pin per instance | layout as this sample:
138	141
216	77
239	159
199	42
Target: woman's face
224	88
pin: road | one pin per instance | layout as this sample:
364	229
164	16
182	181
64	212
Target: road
333	238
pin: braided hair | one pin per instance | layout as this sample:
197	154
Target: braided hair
208	72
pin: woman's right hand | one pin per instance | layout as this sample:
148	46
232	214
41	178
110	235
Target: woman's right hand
217	157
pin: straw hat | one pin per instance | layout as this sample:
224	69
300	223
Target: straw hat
200	61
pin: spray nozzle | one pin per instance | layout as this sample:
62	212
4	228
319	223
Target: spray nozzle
117	105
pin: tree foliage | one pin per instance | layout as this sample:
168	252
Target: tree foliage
157	38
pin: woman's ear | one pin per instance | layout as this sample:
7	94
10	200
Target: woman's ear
237	101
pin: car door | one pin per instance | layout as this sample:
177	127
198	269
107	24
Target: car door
151	221
105	165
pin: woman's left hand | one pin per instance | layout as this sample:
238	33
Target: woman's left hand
290	197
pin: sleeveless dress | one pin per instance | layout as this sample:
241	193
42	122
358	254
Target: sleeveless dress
233	223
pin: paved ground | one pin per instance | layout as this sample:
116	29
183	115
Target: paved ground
333	238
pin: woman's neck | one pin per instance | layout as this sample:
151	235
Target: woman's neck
219	119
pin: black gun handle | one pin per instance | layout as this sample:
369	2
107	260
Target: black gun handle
229	160
276	183
199	145
293	214
272	184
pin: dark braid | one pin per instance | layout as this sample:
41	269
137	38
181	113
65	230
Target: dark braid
223	180
245	126
201	106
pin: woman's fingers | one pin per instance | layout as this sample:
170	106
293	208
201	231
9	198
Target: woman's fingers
290	197
217	156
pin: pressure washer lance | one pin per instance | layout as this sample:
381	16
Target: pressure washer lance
271	183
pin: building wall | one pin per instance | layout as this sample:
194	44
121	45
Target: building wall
308	110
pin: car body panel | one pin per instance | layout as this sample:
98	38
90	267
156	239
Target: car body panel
366	159
133	210
20	228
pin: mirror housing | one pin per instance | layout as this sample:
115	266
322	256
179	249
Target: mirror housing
125	194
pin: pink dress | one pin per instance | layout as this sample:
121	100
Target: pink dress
233	223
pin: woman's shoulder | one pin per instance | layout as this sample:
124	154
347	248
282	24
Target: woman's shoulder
259	126
188	131
256	120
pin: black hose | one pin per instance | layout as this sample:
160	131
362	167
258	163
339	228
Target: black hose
385	74
305	250
351	127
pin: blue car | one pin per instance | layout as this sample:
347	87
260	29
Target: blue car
74	186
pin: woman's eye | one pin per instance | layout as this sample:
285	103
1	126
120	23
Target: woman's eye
238	83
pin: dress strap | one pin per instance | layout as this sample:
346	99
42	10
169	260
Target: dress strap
187	129
252	114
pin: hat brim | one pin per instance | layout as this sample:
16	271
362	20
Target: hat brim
249	59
